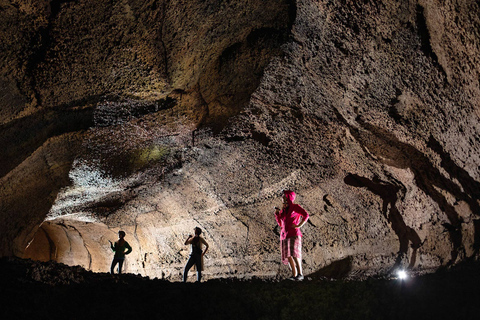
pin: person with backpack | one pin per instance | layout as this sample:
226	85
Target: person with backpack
196	254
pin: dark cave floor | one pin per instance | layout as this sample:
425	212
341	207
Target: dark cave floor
55	291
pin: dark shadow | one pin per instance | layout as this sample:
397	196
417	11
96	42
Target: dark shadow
389	194
389	150
21	137
476	242
336	270
425	38
470	186
239	69
429	179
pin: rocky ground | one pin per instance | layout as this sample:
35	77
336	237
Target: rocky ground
55	291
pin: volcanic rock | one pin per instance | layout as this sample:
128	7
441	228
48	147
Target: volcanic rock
154	117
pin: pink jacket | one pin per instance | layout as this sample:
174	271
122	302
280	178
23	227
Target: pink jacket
289	216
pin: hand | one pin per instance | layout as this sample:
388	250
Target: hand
295	226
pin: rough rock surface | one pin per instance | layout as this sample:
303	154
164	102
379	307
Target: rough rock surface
158	116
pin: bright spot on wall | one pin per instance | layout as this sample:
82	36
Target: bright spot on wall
89	184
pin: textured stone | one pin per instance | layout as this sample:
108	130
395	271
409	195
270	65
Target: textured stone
155	117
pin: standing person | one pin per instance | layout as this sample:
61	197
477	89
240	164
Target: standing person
290	219
196	254
119	248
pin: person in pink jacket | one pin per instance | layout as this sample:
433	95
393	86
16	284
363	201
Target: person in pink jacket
290	219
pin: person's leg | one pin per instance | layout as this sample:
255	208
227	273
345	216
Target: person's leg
297	256
189	264
112	267
292	266
120	265
298	265
198	264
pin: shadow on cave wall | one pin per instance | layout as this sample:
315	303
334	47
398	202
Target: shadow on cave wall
389	194
21	137
470	186
226	87
339	269
476	242
428	178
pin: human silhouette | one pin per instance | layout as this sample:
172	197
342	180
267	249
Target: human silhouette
196	254
119	248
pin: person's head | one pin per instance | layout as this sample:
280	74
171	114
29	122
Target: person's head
288	196
198	231
121	234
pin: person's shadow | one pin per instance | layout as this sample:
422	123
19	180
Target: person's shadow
389	194
385	148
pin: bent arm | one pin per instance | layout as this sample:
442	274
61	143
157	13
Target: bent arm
302	222
129	248
302	212
206	246
189	240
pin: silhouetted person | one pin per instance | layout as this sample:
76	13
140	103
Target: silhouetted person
290	219
196	254
119	248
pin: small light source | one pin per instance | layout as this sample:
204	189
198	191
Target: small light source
402	274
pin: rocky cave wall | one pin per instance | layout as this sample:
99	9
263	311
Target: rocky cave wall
158	116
